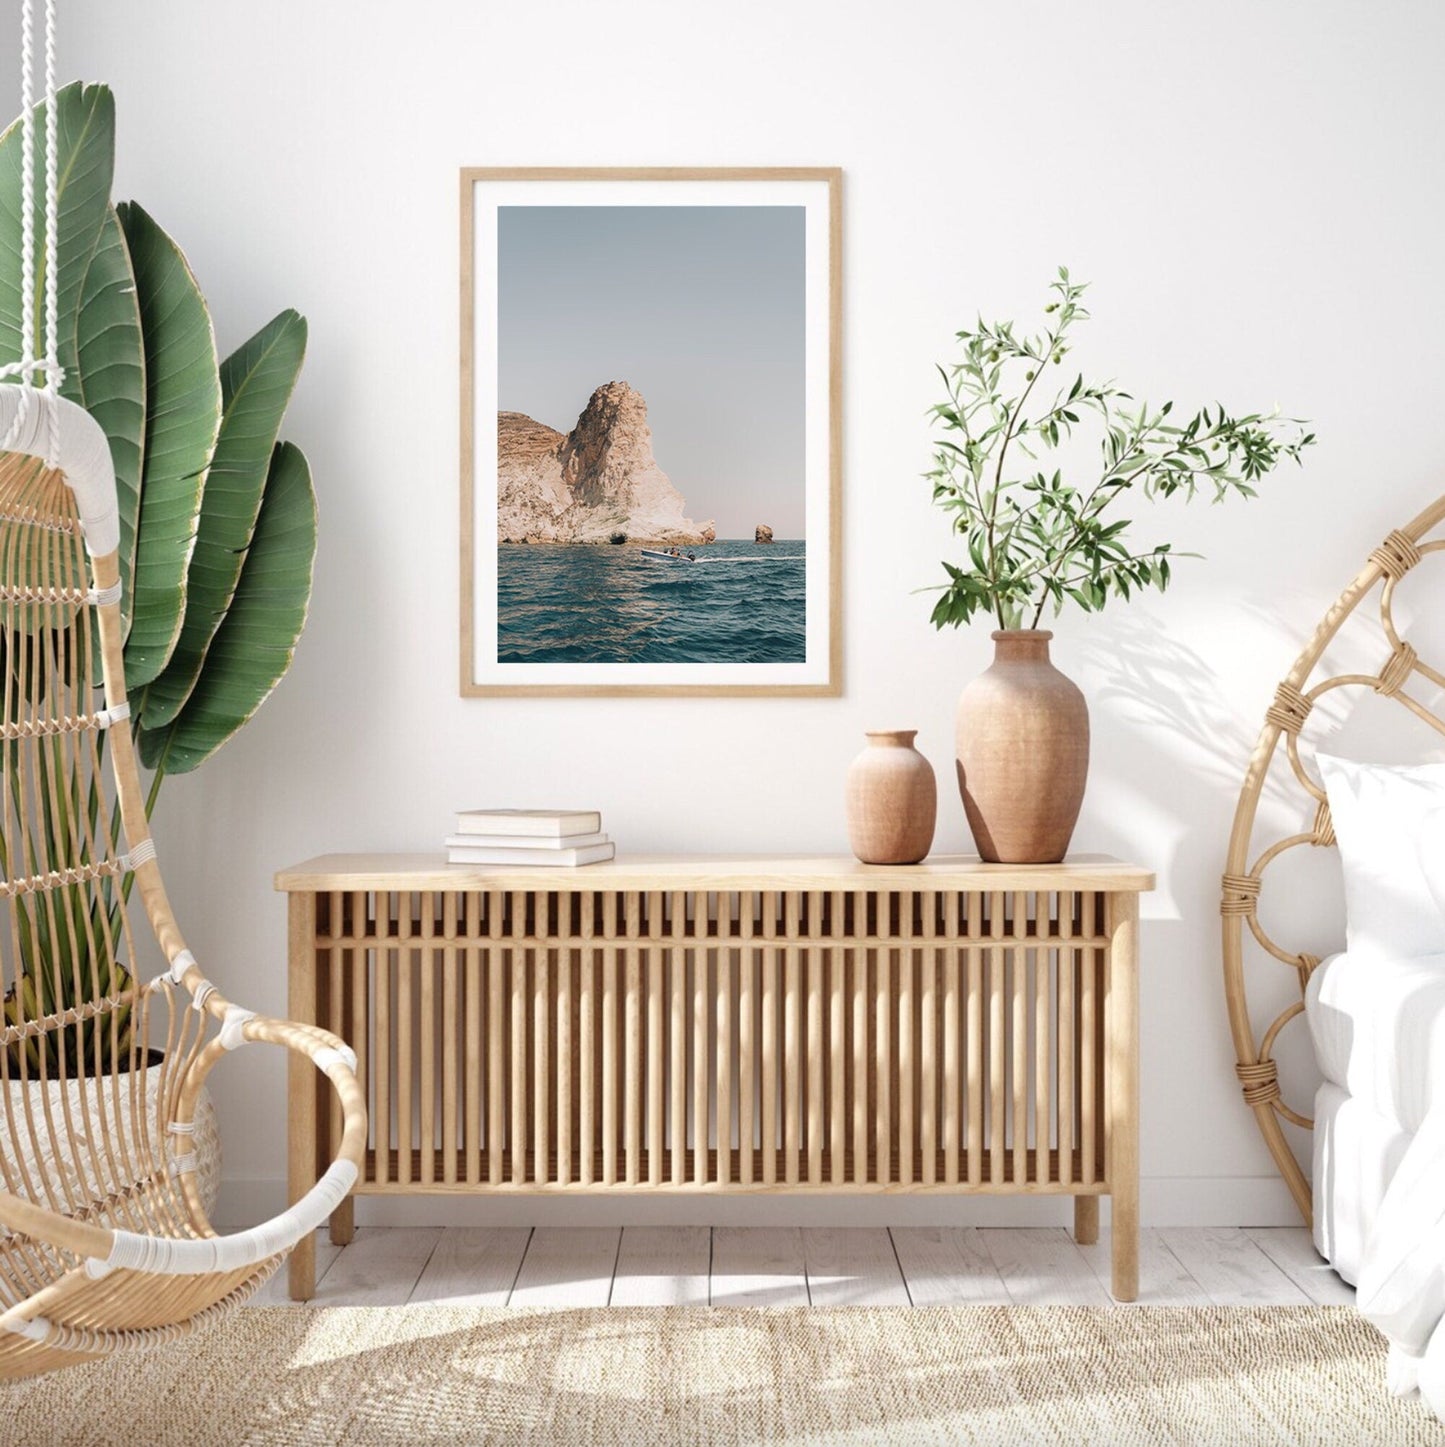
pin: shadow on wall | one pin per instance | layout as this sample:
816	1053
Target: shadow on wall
1187	752
1188	748
1155	681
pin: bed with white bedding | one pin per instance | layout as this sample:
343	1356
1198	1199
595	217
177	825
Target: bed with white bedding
1378	1030
1374	1192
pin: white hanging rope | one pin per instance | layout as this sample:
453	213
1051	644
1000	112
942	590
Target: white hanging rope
53	372
31	358
27	192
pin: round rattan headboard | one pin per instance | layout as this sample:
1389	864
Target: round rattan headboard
1293	700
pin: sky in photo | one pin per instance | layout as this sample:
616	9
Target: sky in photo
698	308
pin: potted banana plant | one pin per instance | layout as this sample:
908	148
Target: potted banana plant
217	514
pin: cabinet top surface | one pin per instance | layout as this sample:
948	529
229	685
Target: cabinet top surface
715	872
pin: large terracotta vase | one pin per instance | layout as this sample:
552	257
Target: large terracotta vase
892	800
1022	741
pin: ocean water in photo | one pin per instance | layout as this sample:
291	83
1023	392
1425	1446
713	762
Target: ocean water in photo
741	602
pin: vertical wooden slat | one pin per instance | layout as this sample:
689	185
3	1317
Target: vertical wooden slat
518	1082
747	1055
451	991
632	1028
1088	1023
336	1007
609	1038
837	1044
769	1102
472	1110
862	1066
701	1071
998	1057
677	968
816	958
1020	1042
1065	1038
563	956
427	962
951	1085
361	1036
496	1040
656	1045
974	1063
723	1011
883	1049
403	1083
907	1045
792	1021
541	1047
1043	1049
928	1042
587	1045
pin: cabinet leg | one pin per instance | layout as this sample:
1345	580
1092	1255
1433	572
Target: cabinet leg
1086	1220
302	1090
343	1222
302	1269
1122	1007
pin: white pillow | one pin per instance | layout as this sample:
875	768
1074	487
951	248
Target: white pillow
1390	823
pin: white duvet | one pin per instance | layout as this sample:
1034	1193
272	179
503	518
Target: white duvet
1402	1280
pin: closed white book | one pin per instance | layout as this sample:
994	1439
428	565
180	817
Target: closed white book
533	823
523	841
546	858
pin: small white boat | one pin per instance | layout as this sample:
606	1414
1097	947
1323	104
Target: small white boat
668	557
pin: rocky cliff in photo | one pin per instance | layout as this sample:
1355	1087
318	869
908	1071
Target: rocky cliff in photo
590	483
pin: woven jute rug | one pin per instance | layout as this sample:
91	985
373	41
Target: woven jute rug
991	1375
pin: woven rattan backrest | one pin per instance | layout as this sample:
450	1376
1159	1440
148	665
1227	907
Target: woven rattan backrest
81	1112
1278	755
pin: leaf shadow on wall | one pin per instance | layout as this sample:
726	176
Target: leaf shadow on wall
1178	716
1182	745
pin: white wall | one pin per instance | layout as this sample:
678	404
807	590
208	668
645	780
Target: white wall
1255	191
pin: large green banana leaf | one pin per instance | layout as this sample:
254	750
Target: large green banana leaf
100	341
183	415
256	384
109	377
254	645
86	135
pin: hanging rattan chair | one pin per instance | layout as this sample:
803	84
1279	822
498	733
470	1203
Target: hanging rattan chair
104	1240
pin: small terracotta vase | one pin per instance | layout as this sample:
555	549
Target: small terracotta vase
892	800
1022	741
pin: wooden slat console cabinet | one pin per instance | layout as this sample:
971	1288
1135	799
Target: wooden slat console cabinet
699	1025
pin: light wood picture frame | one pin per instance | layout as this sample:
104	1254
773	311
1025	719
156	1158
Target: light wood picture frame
650	385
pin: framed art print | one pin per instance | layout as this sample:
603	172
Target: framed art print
650	431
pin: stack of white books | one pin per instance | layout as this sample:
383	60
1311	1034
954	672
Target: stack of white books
558	838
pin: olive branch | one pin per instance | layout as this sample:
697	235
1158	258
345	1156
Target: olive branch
1035	538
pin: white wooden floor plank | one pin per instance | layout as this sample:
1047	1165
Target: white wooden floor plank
567	1267
1231	1268
788	1267
1043	1268
379	1268
277	1291
473	1266
852	1266
758	1266
1164	1280
948	1266
1292	1250
663	1266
